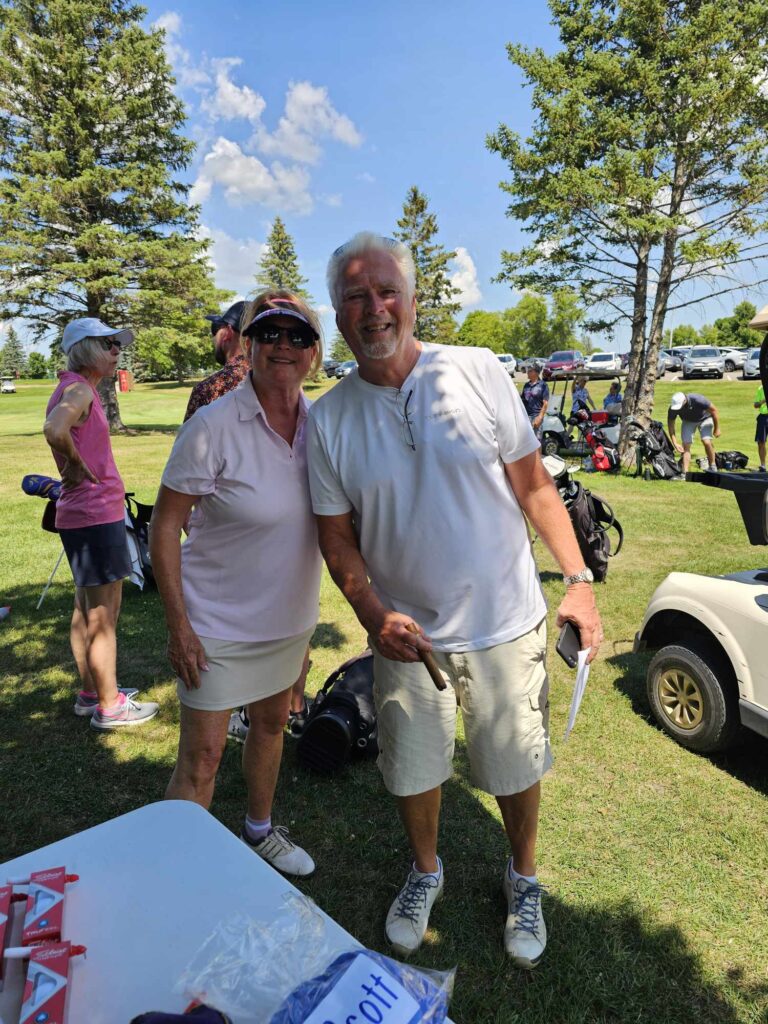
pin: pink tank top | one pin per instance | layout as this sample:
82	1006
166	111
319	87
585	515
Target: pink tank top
89	504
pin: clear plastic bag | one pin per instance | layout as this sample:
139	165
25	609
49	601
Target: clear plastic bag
277	971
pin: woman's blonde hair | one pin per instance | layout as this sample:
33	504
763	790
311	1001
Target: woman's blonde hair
86	354
275	298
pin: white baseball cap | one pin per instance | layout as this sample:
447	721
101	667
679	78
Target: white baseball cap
678	401
90	327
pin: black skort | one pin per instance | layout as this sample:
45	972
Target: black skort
97	554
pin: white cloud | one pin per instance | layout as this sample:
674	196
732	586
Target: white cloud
309	116
234	260
331	200
367	178
464	278
230	101
245	179
187	74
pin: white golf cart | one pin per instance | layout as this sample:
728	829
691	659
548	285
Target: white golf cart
709	675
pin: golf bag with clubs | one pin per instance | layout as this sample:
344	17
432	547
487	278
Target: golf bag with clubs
592	518
656	456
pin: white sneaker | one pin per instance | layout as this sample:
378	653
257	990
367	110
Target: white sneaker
408	916
279	851
525	934
238	726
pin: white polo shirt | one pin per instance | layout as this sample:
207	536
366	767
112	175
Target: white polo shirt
441	533
251	564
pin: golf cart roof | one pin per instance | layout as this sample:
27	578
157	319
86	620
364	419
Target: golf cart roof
589	374
751	491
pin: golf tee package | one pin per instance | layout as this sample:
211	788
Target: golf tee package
7	897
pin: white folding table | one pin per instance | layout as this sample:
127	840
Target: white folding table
153	885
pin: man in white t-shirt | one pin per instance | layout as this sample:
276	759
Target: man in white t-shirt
423	466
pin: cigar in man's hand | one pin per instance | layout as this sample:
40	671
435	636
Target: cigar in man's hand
425	657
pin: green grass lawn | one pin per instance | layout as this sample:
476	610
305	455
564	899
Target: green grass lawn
655	858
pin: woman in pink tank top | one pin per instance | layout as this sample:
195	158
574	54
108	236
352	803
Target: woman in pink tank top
90	519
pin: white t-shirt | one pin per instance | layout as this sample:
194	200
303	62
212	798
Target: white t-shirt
441	533
251	565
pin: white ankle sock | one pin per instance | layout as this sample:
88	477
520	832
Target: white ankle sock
256	830
435	874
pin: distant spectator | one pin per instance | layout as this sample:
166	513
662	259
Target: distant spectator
90	518
614	395
229	353
535	398
580	397
761	427
696	412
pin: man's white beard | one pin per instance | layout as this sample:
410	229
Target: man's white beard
381	349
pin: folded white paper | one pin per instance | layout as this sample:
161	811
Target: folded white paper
582	675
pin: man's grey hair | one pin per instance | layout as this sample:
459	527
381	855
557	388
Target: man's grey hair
85	355
363	242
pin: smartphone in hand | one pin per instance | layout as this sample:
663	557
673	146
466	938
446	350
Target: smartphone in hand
569	644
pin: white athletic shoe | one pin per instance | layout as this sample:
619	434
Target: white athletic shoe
408	916
525	934
279	851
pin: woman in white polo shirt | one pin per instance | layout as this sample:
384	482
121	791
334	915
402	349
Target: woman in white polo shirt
241	595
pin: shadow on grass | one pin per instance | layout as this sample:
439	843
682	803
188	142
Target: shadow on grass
608	964
327	634
746	761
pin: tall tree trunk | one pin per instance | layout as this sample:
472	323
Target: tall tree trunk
109	403
644	402
637	344
106	388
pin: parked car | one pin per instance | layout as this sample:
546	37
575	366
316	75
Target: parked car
681	351
568	361
703	361
751	367
329	366
733	358
7	386
661	365
673	362
709	675
524	362
607	361
509	363
344	369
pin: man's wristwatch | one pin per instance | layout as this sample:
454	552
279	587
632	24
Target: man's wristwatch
585	576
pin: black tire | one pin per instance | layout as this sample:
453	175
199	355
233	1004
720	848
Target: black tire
706	719
550	445
730	365
719	376
685	376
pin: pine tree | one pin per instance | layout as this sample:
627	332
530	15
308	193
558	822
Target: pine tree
13	361
435	295
279	266
93	219
340	350
644	182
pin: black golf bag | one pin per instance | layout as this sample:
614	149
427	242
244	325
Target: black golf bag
341	724
656	457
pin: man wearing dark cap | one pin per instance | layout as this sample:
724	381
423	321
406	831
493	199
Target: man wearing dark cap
228	348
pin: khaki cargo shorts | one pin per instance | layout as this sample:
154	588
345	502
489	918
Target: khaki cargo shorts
503	694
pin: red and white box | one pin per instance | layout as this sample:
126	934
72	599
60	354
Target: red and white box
45	991
45	907
6	891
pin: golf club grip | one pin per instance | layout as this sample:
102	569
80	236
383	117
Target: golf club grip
425	657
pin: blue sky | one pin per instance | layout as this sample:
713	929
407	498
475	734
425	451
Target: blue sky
325	113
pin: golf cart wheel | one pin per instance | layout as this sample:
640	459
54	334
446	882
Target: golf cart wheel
692	696
550	445
730	365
